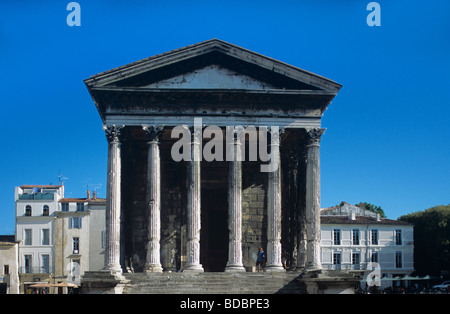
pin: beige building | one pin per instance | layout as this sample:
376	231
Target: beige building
79	237
9	274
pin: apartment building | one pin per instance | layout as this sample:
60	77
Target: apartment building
352	238
9	278
35	215
79	237
58	238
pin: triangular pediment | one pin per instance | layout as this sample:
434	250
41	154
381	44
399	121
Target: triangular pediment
219	64
221	76
212	77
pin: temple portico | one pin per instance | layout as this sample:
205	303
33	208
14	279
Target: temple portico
204	198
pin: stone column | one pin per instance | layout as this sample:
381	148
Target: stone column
312	215
193	206
153	263
113	206
302	240
274	205
234	263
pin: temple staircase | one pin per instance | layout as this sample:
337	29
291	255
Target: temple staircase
213	283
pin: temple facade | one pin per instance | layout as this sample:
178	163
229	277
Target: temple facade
213	152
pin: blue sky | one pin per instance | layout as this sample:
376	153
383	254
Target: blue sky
387	138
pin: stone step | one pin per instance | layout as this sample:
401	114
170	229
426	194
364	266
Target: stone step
212	283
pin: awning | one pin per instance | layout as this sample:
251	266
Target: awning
41	285
65	284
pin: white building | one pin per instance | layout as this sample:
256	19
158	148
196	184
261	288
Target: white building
352	237
35	214
58	238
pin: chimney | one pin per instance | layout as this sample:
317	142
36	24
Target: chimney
378	217
352	216
88	195
94	195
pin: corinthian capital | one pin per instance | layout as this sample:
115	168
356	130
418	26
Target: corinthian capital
314	135
112	132
153	132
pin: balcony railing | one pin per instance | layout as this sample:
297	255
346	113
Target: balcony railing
36	270
36	196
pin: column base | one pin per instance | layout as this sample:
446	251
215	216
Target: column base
313	268
117	269
102	282
197	268
274	268
234	268
153	268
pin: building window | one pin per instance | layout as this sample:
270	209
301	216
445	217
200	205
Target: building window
65	207
27	264
45	210
398	260
76	245
28	237
28	210
5	270
398	237
80	207
45	236
355	237
76	268
45	266
374	237
103	239
75	222
374	257
336	258
337	237
355	258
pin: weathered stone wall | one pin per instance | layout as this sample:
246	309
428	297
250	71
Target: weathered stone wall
254	213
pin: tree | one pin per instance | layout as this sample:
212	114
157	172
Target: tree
431	239
372	208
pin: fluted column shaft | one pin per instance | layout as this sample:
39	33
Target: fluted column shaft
153	263
274	205
312	215
234	263
113	196
193	206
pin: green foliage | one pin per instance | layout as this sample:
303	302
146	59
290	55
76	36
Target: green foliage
372	208
431	239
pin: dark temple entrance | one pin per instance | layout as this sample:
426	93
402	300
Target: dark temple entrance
214	232
214	217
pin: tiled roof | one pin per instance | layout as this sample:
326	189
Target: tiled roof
30	186
359	220
70	200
